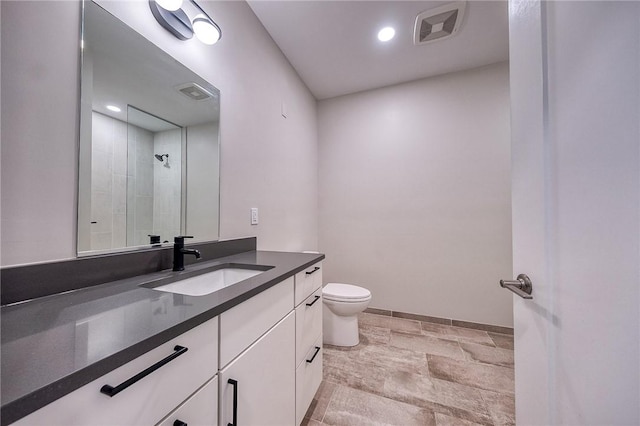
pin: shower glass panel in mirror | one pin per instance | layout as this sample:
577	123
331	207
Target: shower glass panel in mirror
149	144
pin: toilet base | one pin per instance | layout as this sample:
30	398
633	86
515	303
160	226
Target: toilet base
339	330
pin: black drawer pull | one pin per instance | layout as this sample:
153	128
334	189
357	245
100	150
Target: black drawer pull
111	391
314	355
314	301
234	383
179	423
317	268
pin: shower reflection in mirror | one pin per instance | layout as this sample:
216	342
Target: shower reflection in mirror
135	190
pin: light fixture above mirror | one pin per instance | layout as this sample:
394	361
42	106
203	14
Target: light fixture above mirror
184	19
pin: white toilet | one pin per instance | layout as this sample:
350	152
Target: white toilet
342	304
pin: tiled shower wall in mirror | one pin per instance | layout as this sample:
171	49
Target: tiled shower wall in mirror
133	194
108	182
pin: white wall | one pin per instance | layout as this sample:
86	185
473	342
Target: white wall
267	161
414	194
39	129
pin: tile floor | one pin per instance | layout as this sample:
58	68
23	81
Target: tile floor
407	372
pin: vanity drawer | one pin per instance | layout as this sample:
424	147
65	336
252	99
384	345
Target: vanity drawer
307	281
243	324
148	400
308	324
308	378
200	409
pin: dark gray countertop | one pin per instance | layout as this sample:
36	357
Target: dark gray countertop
56	344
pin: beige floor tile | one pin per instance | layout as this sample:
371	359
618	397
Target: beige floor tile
504	419
483	376
335	354
470	335
374	320
457	333
435	328
427	344
504	341
405	325
392	358
437	373
466	399
448	398
356	374
499	402
321	401
488	354
444	420
351	407
371	335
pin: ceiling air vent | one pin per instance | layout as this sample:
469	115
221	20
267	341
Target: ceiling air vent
194	91
439	23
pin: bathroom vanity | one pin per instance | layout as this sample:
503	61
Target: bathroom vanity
124	352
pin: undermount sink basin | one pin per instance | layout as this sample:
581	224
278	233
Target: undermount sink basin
208	281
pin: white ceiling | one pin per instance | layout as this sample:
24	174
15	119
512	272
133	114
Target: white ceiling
334	48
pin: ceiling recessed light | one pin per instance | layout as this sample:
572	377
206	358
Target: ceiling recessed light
113	108
386	34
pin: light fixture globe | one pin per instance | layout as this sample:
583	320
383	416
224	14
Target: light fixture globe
205	30
186	21
170	5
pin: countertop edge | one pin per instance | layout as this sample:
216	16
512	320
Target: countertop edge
22	407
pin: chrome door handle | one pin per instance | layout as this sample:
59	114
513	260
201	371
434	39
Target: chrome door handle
522	286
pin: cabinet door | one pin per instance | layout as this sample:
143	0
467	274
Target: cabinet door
308	378
200	409
264	378
243	324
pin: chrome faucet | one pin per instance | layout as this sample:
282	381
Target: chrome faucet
179	251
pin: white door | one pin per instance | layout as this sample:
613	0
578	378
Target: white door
575	93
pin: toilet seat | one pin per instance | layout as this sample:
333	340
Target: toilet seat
345	293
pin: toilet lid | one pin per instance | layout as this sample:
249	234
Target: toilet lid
337	291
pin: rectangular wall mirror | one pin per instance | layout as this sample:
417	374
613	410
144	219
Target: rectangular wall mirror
149	143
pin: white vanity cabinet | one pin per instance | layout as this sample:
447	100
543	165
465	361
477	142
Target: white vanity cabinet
148	400
243	324
259	385
308	296
257	359
257	363
200	409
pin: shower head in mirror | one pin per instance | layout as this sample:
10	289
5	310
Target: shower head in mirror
160	158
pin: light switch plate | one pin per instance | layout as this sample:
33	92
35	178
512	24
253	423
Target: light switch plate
254	215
